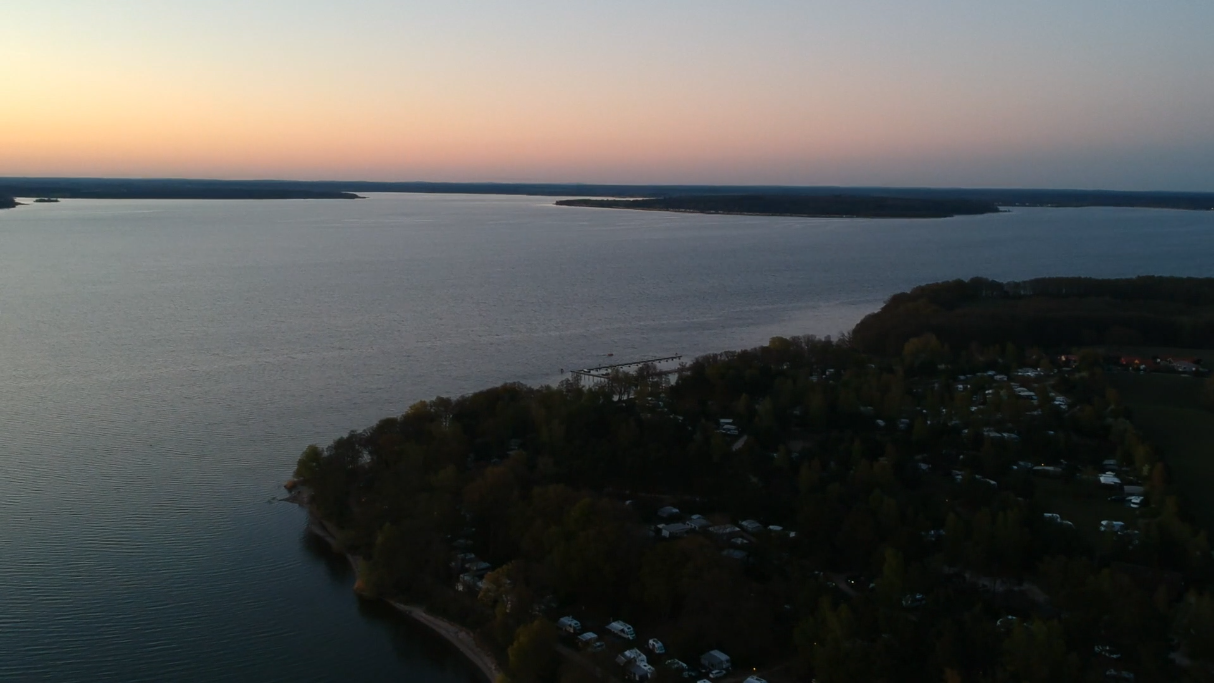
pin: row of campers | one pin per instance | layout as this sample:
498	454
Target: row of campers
637	667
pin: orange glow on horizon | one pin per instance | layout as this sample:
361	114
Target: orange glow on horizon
775	94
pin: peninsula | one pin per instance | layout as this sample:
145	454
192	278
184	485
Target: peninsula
813	206
919	500
7	202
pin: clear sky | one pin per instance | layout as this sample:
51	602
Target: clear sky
1114	94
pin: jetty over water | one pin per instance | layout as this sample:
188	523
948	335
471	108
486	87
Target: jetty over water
604	371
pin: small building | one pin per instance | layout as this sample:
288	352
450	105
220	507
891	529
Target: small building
698	523
569	624
470	582
1185	366
676	530
479	567
622	630
631	655
589	641
668	512
751	526
715	660
637	672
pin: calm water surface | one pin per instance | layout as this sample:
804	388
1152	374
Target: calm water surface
163	363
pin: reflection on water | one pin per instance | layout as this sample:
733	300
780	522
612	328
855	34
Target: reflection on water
336	564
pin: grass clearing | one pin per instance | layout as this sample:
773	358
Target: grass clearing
1168	411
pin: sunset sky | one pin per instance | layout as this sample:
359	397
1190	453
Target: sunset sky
1114	94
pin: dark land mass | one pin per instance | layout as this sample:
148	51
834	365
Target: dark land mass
7	202
1047	312
936	496
105	188
857	206
285	189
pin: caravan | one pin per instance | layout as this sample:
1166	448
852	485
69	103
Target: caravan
622	630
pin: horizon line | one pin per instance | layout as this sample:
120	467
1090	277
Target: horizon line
536	183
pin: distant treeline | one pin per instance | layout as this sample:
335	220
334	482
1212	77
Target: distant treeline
282	189
7	202
1047	312
106	188
799	205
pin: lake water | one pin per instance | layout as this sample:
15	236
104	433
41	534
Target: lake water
163	363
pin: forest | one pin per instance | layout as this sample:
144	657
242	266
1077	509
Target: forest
7	202
857	206
1048	312
953	510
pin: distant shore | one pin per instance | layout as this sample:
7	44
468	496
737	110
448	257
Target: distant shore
463	639
182	188
827	206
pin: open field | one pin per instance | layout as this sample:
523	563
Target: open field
1167	409
1084	504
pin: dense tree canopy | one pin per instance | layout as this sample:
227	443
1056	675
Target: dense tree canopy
1048	312
932	513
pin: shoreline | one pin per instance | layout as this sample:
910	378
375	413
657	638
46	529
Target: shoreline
578	204
458	636
776	215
